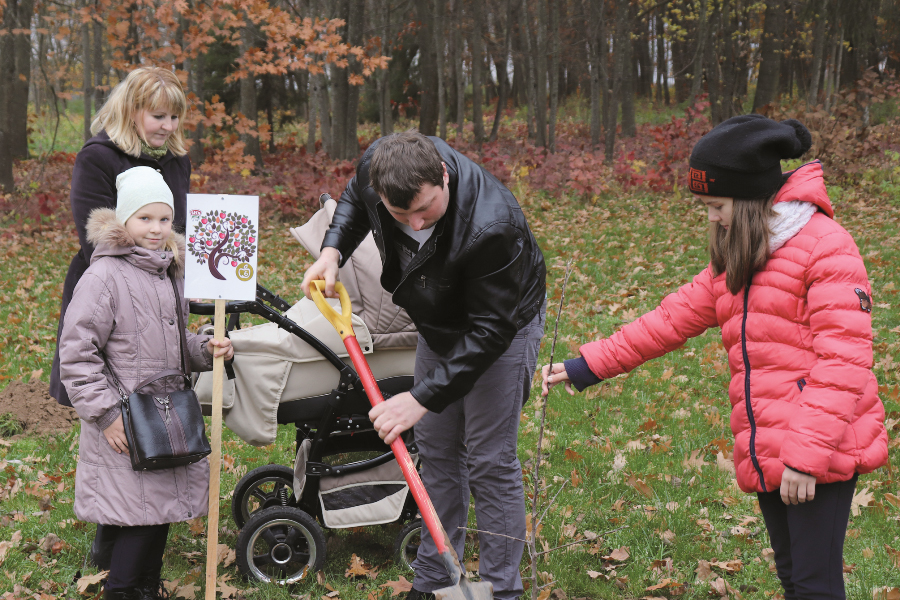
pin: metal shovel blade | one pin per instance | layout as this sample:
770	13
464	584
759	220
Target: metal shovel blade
466	590
462	589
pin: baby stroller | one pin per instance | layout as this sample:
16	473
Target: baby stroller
294	370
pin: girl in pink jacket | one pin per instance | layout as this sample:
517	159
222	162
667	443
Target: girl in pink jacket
787	286
125	308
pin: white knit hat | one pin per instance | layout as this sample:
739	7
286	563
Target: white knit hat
139	186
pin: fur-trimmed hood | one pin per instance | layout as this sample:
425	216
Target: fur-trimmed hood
110	238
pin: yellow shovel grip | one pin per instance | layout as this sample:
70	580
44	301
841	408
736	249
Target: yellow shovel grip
343	323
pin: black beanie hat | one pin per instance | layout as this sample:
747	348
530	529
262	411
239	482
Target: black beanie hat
741	157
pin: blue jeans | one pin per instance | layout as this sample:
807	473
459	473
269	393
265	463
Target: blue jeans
470	448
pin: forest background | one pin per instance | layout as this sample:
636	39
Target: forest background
587	110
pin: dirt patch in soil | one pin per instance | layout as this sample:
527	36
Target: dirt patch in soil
31	404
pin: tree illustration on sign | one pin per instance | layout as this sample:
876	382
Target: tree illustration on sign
220	239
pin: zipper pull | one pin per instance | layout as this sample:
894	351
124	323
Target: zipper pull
164	402
422	281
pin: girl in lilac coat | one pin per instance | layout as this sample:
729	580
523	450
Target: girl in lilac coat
124	310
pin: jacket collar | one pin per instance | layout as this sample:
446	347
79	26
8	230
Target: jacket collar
806	184
110	238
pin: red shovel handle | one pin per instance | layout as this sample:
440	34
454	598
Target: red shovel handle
406	464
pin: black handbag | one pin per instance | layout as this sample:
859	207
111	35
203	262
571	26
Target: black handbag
164	430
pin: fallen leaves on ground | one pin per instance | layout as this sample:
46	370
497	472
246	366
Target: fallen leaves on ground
88	580
861	498
396	587
358	568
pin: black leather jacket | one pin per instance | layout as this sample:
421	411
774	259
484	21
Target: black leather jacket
475	283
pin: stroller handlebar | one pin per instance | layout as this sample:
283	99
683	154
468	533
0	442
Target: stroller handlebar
242	306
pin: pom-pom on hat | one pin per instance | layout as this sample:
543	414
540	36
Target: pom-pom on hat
741	157
137	187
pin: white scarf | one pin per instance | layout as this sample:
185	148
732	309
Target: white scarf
788	220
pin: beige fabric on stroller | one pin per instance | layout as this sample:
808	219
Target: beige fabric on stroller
274	366
389	324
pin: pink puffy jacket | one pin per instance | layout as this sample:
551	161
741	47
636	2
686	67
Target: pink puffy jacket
799	345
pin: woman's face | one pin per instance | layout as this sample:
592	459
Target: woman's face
155	126
720	209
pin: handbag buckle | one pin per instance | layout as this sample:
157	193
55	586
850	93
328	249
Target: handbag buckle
165	403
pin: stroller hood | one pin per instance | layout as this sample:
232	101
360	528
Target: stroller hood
389	325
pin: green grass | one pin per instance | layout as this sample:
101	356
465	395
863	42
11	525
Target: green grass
631	434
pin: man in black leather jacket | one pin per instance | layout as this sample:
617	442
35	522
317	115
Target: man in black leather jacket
459	257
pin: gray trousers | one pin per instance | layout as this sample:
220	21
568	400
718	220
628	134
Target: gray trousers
471	448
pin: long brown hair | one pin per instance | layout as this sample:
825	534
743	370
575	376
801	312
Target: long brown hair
743	248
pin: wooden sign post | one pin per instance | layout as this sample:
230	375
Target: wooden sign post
221	244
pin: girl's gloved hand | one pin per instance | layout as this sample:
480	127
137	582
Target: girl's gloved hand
115	435
224	348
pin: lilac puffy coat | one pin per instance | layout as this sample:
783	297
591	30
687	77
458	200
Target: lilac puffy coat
124	305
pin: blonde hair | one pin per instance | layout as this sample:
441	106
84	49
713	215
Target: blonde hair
172	246
145	88
742	249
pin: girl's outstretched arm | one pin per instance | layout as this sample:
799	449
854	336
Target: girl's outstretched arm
687	313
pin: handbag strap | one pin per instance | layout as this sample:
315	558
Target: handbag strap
185	359
161	375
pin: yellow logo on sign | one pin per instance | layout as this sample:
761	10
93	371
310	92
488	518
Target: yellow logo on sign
244	272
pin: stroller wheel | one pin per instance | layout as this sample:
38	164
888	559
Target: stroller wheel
280	545
406	546
263	487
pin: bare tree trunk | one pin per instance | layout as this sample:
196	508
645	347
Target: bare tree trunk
196	75
383	78
540	106
98	69
439	47
818	52
662	62
531	86
427	68
87	88
477	70
554	74
702	27
355	25
7	73
837	69
502	75
622	31
248	98
770	51
313	120
595	37
460	73
339	91
629	127
21	13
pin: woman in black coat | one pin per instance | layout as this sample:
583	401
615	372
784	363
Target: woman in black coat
140	125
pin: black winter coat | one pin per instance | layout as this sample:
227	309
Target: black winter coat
97	165
474	284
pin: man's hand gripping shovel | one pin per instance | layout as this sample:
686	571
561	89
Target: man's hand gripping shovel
461	588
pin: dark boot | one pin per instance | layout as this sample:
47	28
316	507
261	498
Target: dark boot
415	594
153	589
101	551
121	594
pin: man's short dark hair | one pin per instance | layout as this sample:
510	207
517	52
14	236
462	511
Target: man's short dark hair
401	164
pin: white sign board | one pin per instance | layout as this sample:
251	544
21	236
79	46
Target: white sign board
222	240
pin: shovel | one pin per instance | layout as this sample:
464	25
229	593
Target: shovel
461	588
